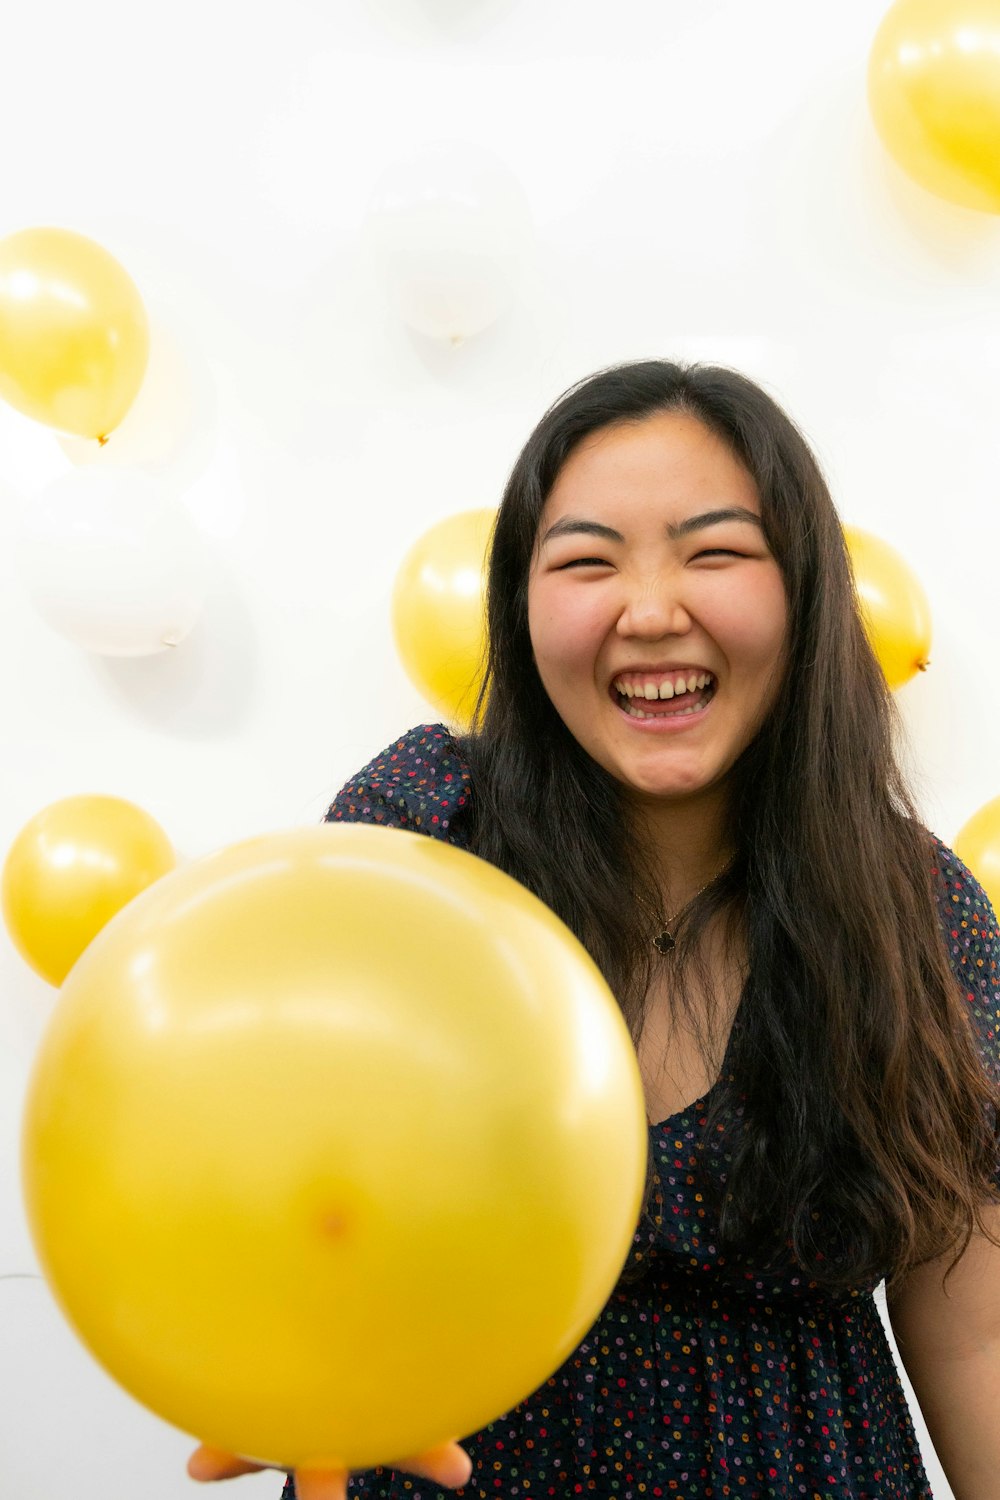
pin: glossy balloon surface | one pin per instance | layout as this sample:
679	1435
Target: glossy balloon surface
74	335
934	91
71	868
439	612
335	1146
894	604
977	845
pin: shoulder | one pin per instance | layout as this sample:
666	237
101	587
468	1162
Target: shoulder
420	781
966	910
972	938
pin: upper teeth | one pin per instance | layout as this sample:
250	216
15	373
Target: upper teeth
661	687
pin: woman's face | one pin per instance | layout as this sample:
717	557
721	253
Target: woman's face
634	590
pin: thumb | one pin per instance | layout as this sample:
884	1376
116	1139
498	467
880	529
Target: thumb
447	1464
207	1464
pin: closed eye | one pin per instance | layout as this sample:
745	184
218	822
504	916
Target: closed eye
602	562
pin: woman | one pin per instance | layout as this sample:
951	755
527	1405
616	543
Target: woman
686	747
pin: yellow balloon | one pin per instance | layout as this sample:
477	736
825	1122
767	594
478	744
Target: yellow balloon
335	1146
894	605
70	869
439	612
934	92
978	846
74	338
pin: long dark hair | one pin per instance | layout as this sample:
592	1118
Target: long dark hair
859	1129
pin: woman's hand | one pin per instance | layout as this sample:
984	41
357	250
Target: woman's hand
449	1466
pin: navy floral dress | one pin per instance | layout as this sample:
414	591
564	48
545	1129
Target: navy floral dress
703	1378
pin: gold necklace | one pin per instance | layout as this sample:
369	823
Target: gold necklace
664	939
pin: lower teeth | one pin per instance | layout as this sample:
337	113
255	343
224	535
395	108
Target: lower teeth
677	713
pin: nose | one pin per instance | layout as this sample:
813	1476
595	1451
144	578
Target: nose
653	610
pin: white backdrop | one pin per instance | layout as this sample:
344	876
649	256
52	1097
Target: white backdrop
704	181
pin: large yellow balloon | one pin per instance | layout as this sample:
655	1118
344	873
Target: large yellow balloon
438	612
70	869
977	844
897	614
335	1146
74	337
934	91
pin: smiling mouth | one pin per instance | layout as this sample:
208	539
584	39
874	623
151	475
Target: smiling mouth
680	706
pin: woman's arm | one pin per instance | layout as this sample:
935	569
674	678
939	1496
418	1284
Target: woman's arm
949	1344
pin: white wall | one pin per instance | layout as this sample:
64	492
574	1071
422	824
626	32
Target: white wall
705	181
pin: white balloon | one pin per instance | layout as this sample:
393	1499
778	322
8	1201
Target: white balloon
449	227
113	562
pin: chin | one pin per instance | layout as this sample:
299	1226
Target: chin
665	786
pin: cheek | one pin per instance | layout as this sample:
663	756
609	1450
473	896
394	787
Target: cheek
566	631
755	621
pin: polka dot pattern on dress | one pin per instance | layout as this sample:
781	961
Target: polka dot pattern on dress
700	1378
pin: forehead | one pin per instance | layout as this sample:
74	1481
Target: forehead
671	458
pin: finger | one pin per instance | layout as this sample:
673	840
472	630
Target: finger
321	1484
448	1464
206	1464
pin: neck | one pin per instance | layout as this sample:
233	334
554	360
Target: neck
686	843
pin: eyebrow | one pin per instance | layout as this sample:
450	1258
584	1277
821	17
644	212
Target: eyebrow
573	525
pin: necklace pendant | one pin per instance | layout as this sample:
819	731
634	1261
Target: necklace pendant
664	942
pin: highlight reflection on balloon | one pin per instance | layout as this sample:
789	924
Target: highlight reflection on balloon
897	614
70	869
439	612
74	336
934	92
335	1146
